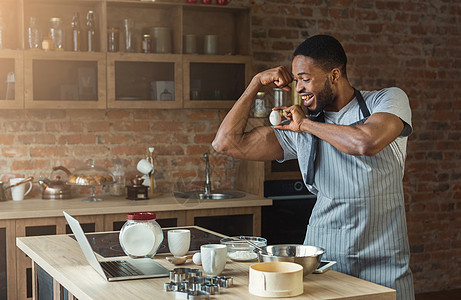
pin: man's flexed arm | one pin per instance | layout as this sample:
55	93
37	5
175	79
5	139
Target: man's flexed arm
260	143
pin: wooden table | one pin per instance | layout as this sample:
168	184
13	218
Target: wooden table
61	257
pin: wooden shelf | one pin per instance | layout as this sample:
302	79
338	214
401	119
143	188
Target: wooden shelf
52	79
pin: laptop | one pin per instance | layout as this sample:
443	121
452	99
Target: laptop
115	270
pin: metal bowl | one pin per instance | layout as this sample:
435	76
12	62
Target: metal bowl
307	256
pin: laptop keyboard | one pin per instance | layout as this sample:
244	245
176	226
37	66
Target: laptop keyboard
120	269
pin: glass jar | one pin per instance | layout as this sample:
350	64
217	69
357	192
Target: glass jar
166	95
141	235
56	34
113	36
281	98
33	34
147	43
259	110
118	188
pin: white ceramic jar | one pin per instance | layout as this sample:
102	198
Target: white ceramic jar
141	235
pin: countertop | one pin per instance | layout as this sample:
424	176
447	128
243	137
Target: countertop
38	208
61	257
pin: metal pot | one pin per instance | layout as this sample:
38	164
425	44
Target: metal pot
57	188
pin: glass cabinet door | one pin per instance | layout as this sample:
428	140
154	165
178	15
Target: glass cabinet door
65	80
11	79
214	83
144	80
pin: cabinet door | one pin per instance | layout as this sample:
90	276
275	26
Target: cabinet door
7	260
64	80
11	79
138	80
214	81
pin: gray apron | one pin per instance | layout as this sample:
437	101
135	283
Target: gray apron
359	217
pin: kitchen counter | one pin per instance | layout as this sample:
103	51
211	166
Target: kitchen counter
37	217
38	208
61	257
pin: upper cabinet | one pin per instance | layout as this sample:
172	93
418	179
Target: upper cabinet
123	54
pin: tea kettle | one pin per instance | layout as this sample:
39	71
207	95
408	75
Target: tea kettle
56	188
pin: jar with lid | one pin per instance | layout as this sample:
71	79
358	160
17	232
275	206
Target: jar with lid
56	34
141	235
166	95
113	36
147	43
259	110
118	188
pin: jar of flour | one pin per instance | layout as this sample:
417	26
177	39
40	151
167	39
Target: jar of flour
141	235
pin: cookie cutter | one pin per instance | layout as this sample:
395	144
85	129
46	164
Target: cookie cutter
179	274
192	295
225	281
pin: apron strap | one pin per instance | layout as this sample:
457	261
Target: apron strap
363	106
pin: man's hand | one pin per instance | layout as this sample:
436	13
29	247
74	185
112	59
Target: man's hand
293	113
278	77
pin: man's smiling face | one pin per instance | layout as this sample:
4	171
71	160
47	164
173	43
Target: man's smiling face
312	84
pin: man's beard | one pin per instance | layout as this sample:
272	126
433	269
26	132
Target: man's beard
324	98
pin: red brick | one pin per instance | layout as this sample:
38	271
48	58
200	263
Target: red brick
52	151
19	151
28	165
40	138
64	126
6	139
72	139
140	126
197	149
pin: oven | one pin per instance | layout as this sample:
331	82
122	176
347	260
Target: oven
285	222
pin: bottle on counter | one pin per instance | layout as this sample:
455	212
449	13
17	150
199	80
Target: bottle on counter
91	31
33	34
118	188
56	34
76	32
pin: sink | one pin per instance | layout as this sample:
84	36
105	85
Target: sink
215	195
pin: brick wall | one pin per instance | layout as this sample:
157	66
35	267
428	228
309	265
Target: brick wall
415	45
34	141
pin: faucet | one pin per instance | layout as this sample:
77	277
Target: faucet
207	172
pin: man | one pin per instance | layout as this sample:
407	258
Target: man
353	161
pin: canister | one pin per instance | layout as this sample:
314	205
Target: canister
141	235
161	39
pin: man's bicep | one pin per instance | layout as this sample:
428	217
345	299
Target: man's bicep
260	144
383	128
